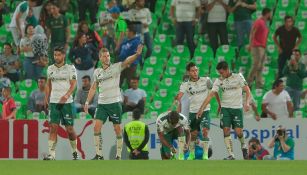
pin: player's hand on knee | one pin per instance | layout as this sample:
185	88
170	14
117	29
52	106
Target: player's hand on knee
173	150
199	114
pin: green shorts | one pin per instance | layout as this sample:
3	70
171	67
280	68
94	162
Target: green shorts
112	111
197	124
61	113
169	137
231	118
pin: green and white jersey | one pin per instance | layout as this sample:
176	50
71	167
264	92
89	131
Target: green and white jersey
164	126
108	83
60	81
197	92
231	90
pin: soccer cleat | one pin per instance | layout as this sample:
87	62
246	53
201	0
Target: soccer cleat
75	156
245	153
118	158
191	156
229	158
181	156
98	157
49	157
205	156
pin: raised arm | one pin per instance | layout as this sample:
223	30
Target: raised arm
132	58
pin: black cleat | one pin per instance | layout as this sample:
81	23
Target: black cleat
98	157
245	153
118	158
229	158
75	156
49	157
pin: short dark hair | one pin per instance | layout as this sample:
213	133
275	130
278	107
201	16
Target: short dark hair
7	88
266	11
42	78
189	66
288	17
173	117
222	65
136	114
102	50
86	77
254	139
55	3
2	67
277	83
135	78
297	50
59	49
132	28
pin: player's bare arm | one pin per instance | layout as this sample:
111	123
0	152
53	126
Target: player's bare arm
90	95
71	89
205	103
247	99
132	58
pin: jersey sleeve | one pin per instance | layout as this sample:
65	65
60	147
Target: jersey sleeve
265	98
118	67
48	73
23	7
72	73
242	80
159	125
209	83
216	85
183	87
288	98
95	75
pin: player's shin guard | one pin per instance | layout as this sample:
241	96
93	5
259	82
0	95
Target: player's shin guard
98	143
119	146
228	143
192	150
73	144
181	141
205	143
51	147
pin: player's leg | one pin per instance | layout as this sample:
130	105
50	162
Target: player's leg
54	121
165	151
181	142
68	122
237	123
225	125
115	111
205	127
194	133
100	118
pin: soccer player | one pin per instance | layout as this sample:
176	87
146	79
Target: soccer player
231	86
172	125
197	88
60	86
107	79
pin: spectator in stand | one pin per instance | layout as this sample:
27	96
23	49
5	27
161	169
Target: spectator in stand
31	19
4	9
120	26
108	23
242	10
256	150
31	68
295	72
142	15
11	63
39	43
36	101
88	5
203	17
45	14
128	48
17	24
93	37
257	46
217	27
277	102
127	4
151	4
57	29
4	81
185	15
134	98
81	95
9	107
84	56
289	39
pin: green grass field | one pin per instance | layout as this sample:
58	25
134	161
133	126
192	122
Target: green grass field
152	167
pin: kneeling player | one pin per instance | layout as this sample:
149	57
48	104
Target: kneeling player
173	125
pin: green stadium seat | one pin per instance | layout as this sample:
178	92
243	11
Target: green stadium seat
27	86
182	51
226	53
164	40
176	72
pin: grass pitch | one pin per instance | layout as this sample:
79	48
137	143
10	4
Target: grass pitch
152	167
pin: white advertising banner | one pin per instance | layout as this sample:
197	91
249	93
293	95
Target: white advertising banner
28	139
